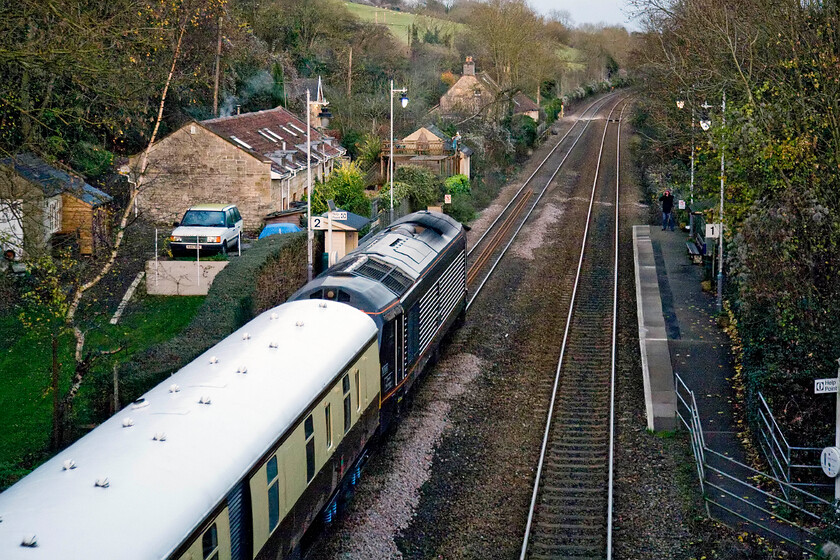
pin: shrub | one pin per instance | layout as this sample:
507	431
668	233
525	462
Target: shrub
368	148
345	186
462	208
264	276
457	184
523	129
420	187
91	160
552	109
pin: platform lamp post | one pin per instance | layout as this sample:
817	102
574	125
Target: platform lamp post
403	102
680	104
705	124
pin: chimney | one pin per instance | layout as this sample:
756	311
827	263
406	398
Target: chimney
469	67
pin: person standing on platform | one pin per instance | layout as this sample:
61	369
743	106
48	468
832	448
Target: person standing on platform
667	201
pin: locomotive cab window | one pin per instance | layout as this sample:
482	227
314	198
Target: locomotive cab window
309	433
210	544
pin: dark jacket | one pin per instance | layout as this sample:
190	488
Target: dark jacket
667	201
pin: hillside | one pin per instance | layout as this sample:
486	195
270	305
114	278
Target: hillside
398	22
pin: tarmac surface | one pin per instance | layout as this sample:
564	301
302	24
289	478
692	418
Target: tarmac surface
701	356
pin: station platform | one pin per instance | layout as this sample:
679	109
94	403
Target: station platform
672	306
697	349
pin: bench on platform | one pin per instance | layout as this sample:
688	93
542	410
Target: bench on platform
695	251
696	244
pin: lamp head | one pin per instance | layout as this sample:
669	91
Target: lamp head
705	124
404	100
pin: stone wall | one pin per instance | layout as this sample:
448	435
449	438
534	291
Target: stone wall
181	278
194	166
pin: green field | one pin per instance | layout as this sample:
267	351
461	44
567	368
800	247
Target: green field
399	22
25	400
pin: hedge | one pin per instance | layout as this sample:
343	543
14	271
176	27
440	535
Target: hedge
263	277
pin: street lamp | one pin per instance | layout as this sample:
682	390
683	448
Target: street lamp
705	124
403	102
308	187
680	105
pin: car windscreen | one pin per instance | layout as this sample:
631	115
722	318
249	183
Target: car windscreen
209	218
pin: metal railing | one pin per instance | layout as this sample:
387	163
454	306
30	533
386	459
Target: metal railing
418	148
737	494
798	466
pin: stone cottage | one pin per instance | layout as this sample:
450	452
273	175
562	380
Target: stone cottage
254	160
477	93
472	93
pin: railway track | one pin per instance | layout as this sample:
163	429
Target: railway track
520	207
570	513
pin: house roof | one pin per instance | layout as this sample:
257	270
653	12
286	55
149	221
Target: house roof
54	181
263	133
524	104
438	133
488	82
353	221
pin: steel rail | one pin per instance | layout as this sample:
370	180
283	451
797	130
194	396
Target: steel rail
614	339
499	233
475	293
563	346
601	102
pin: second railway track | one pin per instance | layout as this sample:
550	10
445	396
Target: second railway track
570	509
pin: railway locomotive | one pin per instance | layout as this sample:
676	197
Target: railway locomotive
235	455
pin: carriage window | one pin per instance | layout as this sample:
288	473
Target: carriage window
210	544
358	391
328	418
343	296
273	493
345	387
309	432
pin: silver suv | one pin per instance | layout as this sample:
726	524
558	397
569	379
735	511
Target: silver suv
207	229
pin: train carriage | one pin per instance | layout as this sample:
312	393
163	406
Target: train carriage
230	458
411	279
234	456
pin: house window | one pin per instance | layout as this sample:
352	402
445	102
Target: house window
52	215
271	474
345	387
210	544
309	434
328	419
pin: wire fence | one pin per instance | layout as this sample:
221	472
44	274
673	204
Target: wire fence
798	466
747	499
